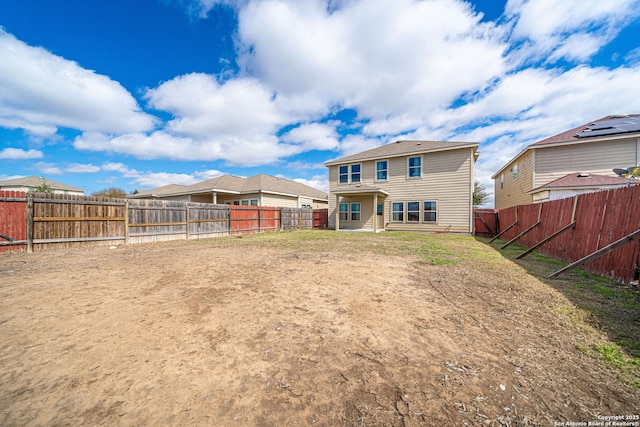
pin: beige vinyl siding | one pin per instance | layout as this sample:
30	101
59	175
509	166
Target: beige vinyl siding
366	213
315	204
182	198
598	158
515	191
203	198
446	179
279	201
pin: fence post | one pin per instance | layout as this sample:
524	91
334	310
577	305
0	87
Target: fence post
29	223
259	223
188	224
126	222
229	218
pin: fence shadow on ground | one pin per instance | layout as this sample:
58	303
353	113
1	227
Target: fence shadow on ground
607	306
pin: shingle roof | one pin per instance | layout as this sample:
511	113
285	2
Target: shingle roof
577	180
401	148
240	185
160	191
35	181
570	135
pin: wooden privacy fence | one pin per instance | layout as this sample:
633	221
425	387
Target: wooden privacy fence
485	222
13	221
574	228
37	221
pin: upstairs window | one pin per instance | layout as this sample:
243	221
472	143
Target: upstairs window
344	174
381	170
515	171
355	173
415	167
502	182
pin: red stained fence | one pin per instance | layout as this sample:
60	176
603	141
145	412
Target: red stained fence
253	219
601	218
320	218
485	222
13	221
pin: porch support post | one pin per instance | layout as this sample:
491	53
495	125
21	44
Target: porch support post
337	212
375	212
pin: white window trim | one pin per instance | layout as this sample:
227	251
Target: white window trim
359	212
351	172
375	176
409	167
347	211
404	214
339	174
420	203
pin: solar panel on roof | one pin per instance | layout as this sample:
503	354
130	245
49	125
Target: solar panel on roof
611	127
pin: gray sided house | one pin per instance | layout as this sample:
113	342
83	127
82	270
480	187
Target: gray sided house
258	190
405	185
592	150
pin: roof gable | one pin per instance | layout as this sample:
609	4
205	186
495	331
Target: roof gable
402	148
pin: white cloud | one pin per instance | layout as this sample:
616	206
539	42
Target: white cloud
20	154
240	108
387	59
162	145
40	92
48	168
356	143
571	29
313	136
82	168
320	182
158	179
5	177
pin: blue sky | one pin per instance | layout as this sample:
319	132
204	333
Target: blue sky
139	94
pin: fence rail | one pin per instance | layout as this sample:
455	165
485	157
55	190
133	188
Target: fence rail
38	222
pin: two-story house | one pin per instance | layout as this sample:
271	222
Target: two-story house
405	185
593	149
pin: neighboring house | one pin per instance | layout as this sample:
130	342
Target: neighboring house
405	185
31	183
258	190
597	147
578	183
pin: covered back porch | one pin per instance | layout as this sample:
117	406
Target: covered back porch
360	208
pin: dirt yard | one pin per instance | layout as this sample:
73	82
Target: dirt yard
293	329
